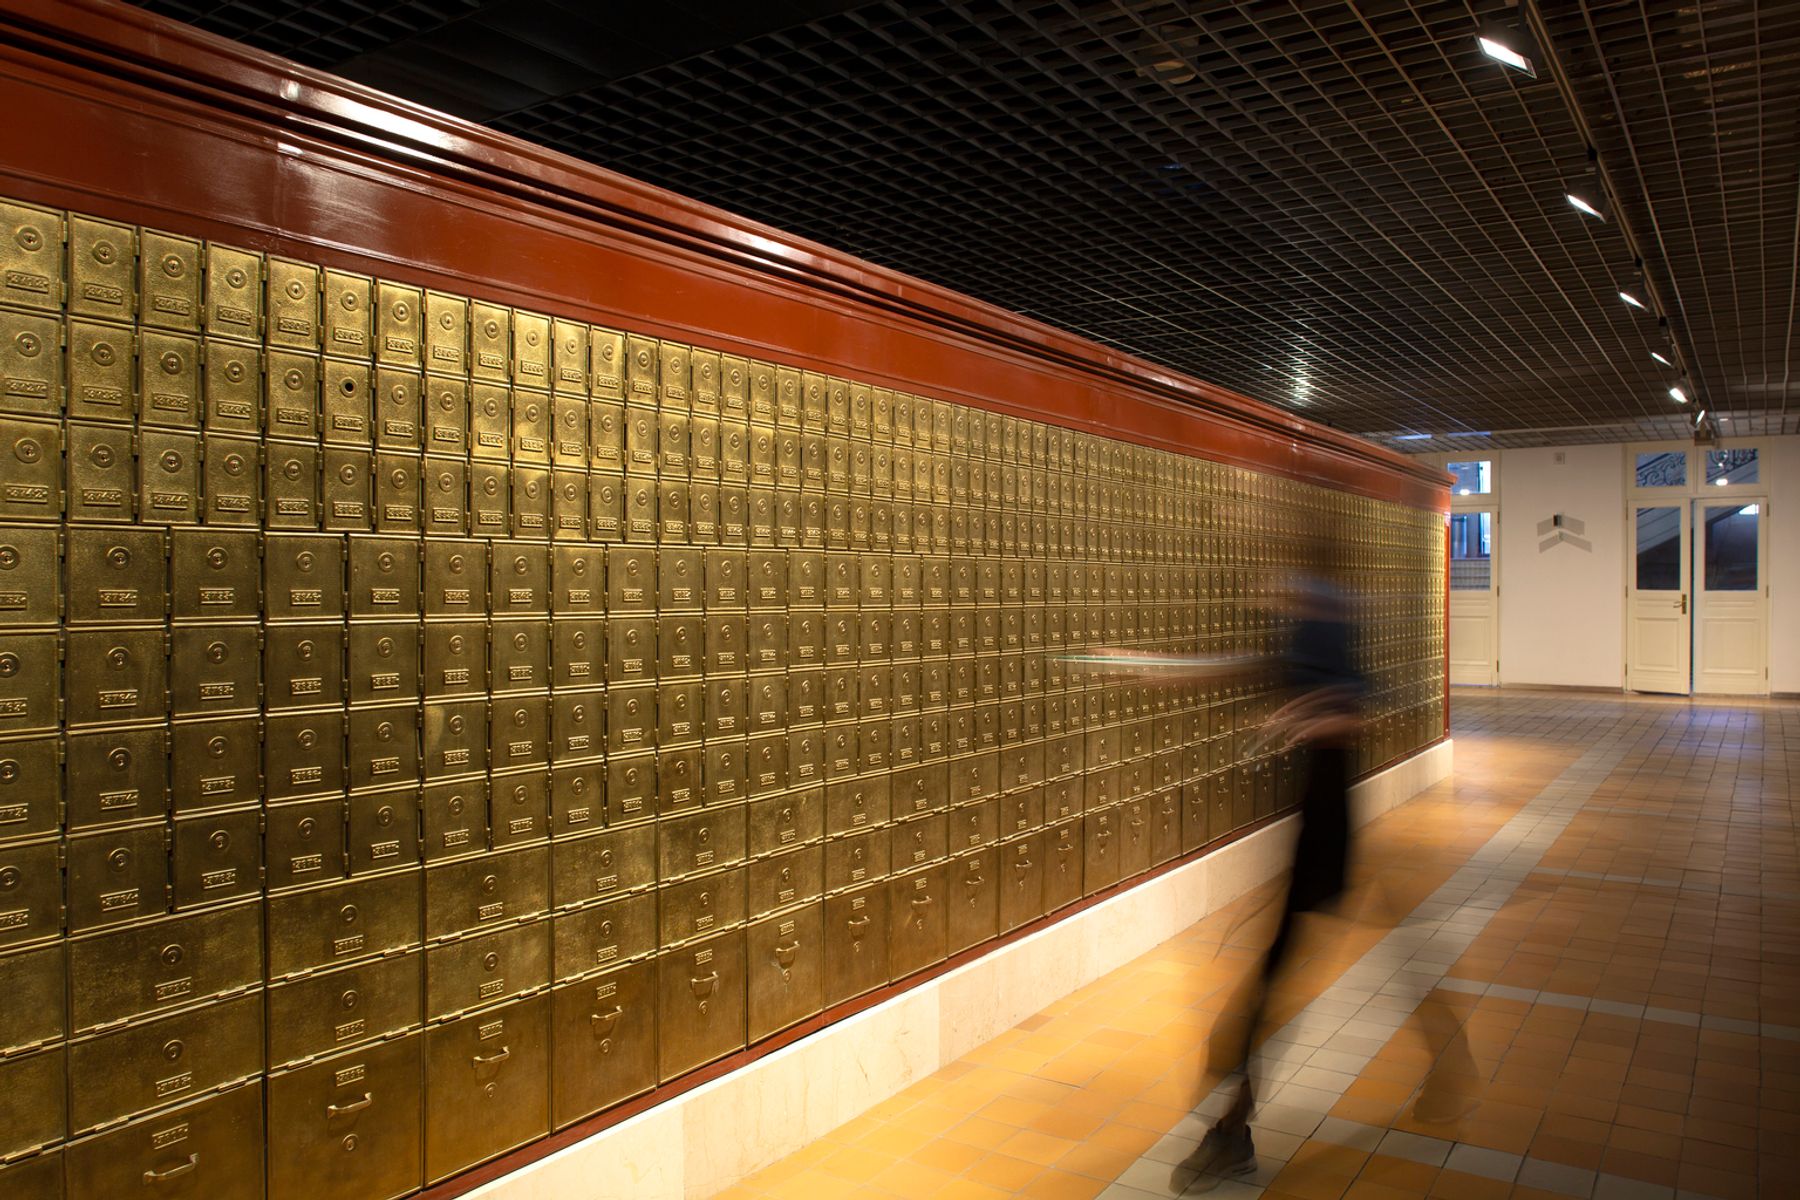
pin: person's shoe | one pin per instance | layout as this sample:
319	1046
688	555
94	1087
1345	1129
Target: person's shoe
1221	1153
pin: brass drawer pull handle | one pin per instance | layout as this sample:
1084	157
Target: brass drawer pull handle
605	1023
488	1060
338	1110
703	986
975	881
920	901
857	925
154	1177
1024	864
784	955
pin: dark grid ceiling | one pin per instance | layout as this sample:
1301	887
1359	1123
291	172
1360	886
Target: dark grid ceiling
1341	208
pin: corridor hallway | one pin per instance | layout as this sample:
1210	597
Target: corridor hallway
1604	898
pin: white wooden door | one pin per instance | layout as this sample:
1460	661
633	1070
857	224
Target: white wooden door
1658	635
1474	595
1731	615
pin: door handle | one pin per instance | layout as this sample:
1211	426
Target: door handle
1684	603
338	1110
488	1060
151	1178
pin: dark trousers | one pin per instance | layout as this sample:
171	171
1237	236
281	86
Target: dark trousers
1321	865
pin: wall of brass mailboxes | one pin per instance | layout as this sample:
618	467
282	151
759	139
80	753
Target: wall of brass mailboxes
424	725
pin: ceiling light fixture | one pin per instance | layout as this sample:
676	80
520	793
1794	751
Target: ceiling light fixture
1632	300
1583	205
1588	196
1509	43
1412	437
1658	356
1679	396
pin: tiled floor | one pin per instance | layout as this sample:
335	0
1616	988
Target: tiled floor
1586	944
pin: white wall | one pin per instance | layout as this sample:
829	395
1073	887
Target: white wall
1562	609
1562	606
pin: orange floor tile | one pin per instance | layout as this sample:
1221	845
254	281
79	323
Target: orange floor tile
1583	951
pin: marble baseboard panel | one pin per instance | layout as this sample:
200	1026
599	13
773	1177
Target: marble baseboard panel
703	1141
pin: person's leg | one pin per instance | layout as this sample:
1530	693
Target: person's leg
1274	960
1228	1148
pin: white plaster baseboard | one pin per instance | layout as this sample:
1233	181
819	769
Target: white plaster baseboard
703	1141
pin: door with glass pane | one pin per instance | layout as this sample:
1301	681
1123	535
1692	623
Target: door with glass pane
1474	608
1657	600
1731	599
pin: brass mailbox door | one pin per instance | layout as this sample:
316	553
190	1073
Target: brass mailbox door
37	1178
209	1150
700	1003
31	1100
31	794
151	1063
333	1011
856	942
143	969
347	1128
1135	831
1064	865
604	1028
1022	867
919	920
603	865
779	822
484	1085
1196	818
600	937
480	971
974	887
453	817
35	980
342	922
116	875
786	957
784	880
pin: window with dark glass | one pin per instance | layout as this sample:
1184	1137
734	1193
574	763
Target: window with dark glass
1659	549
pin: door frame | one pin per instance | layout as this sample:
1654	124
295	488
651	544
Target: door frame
1694	488
1683	509
1759	595
1488	501
1490	505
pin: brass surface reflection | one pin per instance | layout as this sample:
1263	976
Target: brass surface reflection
425	724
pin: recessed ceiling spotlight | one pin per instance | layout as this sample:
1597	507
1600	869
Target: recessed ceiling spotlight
1510	44
1658	356
1170	70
